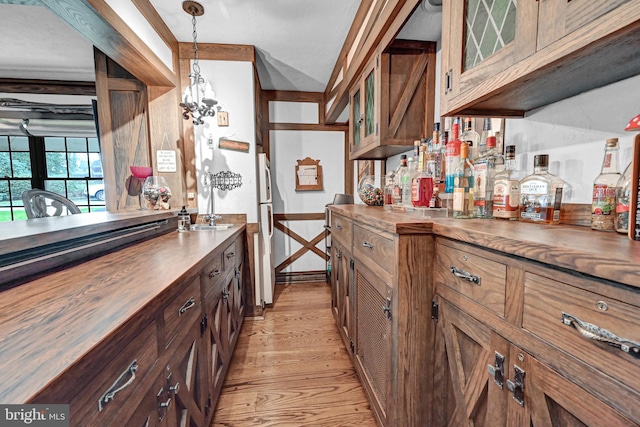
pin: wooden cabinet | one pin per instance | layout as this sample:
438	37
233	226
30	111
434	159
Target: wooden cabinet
165	363
517	56
384	288
390	103
510	354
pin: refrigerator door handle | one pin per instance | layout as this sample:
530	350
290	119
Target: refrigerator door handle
268	185
270	222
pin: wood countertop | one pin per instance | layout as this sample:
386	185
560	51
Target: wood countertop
48	324
605	255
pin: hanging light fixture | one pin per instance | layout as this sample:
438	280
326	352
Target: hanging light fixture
198	99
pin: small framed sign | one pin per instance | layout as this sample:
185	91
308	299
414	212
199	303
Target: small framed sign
166	160
230	144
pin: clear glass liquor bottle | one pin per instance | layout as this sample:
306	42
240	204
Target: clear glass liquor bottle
463	184
484	172
486	133
603	204
506	187
471	137
623	200
541	194
399	172
407	182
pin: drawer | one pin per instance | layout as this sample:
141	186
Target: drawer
374	247
229	257
239	251
182	311
560	313
341	229
121	381
212	273
473	273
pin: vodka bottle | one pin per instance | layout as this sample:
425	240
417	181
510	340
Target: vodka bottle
486	133
471	137
407	182
453	156
506	188
484	172
397	190
541	194
603	204
463	185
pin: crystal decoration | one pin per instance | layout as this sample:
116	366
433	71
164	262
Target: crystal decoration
198	99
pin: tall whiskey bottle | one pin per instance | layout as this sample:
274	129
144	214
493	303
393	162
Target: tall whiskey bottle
603	204
541	194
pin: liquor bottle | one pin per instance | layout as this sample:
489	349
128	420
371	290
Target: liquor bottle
463	185
421	187
471	137
441	178
407	182
541	194
400	170
433	153
506	187
484	173
623	200
453	156
486	133
603	205
389	187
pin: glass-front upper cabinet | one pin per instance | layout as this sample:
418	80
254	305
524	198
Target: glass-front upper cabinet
505	57
481	38
363	112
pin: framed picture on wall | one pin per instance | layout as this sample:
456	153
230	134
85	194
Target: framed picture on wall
365	167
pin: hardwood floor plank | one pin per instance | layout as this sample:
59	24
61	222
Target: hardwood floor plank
292	369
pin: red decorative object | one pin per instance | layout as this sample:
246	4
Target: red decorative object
634	124
141	172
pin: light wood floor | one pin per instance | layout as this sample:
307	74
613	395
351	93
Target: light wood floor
292	369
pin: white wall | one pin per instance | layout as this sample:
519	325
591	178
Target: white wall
232	82
286	148
573	133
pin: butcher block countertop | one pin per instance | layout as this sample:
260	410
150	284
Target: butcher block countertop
48	324
605	255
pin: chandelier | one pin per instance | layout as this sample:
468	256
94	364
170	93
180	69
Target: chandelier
198	99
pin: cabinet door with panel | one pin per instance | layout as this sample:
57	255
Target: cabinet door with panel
363	120
374	338
506	57
217	349
485	380
343	294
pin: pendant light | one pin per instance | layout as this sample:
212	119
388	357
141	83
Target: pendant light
198	99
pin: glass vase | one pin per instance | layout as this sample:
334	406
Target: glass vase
156	193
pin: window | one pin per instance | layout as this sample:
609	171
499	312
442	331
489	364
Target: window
70	167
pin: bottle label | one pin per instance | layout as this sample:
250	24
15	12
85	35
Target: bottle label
534	188
458	199
506	199
480	184
604	200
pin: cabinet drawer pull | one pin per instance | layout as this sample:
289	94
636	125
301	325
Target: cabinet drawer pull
186	306
465	275
172	388
367	244
231	255
594	332
116	388
214	273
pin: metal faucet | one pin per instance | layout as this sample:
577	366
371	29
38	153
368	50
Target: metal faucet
212	218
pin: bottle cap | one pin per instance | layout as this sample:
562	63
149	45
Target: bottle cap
510	151
436	126
611	142
404	156
541	160
464	150
491	141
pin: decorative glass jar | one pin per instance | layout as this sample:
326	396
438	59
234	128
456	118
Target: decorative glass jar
156	193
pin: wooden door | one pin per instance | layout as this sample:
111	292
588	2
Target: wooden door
185	382
480	41
238	301
371	100
374	326
345	298
560	18
228	319
336	278
356	118
466	393
216	348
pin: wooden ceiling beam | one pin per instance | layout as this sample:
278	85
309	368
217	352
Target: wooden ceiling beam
47	87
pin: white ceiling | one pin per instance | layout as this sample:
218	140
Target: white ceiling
297	41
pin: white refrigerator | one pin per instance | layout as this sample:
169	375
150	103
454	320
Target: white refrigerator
265	275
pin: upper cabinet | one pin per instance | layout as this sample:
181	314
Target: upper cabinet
389	100
505	57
